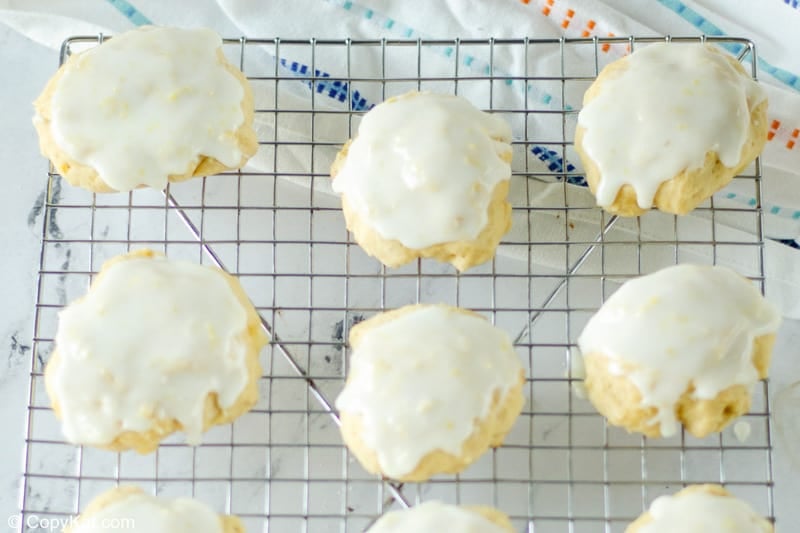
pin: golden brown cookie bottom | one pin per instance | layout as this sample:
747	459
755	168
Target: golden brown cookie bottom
619	400
493	515
461	254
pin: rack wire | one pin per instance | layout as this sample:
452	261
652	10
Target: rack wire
282	467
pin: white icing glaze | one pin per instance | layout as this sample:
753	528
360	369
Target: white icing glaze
682	324
423	167
151	339
672	104
435	517
147	104
143	513
701	512
420	381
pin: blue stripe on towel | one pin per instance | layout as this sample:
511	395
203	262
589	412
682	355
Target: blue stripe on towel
475	64
338	90
335	89
130	12
707	27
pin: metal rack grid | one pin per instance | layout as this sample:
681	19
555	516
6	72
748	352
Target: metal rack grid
282	467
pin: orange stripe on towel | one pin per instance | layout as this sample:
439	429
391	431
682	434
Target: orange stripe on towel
607	46
568	19
773	129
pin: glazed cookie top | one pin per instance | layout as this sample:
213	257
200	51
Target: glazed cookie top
683	324
420	380
423	167
435	517
660	112
150	340
146	104
703	512
140	512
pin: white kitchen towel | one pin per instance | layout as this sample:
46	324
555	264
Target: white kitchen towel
542	19
49	22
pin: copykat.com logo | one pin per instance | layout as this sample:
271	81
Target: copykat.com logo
34	522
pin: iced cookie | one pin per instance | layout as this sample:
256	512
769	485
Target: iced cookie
701	508
437	517
147	107
684	345
430	388
668	126
427	176
155	346
130	509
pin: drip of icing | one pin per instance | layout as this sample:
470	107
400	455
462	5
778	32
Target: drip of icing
435	517
151	340
577	372
443	365
702	512
670	105
140	512
682	324
742	431
146	104
423	167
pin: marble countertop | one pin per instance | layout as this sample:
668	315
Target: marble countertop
26	67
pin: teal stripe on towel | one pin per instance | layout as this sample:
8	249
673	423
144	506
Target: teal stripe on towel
707	27
130	12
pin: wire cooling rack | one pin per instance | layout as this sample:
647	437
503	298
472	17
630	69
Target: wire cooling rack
282	467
